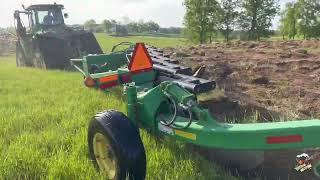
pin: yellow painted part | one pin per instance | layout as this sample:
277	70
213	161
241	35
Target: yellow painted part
105	156
185	134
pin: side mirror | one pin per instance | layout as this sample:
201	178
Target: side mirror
66	15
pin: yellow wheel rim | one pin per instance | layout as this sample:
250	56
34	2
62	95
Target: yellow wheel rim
105	156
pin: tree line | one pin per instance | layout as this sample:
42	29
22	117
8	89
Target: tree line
301	18
113	26
204	19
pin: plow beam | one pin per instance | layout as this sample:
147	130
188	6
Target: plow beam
199	127
259	136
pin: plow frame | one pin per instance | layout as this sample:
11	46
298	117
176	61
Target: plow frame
144	104
149	103
206	131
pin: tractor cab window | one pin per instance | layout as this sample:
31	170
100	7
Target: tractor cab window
50	17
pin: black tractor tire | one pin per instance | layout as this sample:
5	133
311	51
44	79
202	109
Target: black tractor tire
123	145
90	44
53	53
38	59
20	57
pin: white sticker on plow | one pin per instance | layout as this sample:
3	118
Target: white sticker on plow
165	129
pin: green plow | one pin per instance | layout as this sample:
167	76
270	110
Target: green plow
162	98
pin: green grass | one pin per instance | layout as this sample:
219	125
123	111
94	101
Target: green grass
107	42
158	35
43	128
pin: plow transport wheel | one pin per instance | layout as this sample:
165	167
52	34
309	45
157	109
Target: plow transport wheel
115	147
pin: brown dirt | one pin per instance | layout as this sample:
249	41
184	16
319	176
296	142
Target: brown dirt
268	80
282	77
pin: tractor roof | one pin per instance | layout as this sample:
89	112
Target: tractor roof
44	7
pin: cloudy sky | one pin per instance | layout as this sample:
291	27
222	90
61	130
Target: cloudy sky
166	12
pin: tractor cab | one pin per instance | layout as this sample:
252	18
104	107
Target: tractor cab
40	17
46	16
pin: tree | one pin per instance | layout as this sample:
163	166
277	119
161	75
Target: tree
107	25
201	19
229	15
152	26
283	28
289	21
121	30
141	26
171	30
308	14
133	27
113	22
90	25
257	17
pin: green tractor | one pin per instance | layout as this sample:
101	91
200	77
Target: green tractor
46	42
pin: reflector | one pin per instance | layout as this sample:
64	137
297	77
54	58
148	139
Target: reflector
109	85
89	82
109	78
140	60
284	139
126	78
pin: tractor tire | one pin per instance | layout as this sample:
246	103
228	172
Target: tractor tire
90	44
20	57
115	147
53	53
38	59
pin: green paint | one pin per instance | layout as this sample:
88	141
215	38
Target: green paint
131	92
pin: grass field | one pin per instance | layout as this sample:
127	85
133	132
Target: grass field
43	127
107	42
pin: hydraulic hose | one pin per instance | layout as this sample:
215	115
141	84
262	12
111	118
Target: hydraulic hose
121	44
189	122
171	123
173	119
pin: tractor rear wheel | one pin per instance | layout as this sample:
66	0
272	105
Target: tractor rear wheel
115	146
20	57
38	59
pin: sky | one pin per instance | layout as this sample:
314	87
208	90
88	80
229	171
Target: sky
165	12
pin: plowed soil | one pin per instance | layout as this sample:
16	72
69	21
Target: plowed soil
259	82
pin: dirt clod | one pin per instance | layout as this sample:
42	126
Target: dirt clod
180	54
285	54
301	51
260	80
252	45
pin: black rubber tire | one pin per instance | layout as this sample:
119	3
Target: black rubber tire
20	57
90	44
124	140
53	53
38	59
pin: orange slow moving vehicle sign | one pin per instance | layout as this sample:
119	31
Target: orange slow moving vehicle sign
140	60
